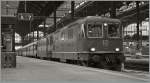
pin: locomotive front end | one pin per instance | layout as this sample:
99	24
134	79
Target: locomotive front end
104	43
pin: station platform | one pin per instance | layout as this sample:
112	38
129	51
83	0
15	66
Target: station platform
31	69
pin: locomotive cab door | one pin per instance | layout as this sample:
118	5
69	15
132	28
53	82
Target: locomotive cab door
105	40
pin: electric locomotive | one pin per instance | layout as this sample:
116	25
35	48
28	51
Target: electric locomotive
92	40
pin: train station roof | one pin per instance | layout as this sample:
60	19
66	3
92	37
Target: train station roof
42	9
130	15
11	9
125	10
37	8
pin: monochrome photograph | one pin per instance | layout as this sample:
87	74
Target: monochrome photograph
74	41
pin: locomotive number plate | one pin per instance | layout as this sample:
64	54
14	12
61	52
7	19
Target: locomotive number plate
105	43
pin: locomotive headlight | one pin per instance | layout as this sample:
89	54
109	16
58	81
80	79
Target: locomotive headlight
92	49
117	49
105	24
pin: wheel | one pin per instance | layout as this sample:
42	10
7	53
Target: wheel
103	64
82	63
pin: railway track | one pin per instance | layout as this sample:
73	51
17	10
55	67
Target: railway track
134	66
137	64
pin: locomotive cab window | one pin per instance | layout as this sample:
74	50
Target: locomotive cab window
113	30
94	30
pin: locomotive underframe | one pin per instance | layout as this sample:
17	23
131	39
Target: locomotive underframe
104	60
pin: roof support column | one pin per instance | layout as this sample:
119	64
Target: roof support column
33	35
27	39
22	40
44	31
13	38
113	10
6	8
37	33
72	9
55	19
30	38
137	27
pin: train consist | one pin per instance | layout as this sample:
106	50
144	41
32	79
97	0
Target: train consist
91	41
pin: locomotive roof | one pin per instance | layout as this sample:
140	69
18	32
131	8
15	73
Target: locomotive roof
91	19
101	19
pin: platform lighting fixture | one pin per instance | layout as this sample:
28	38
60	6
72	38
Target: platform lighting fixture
69	11
105	24
25	16
7	5
147	19
43	26
82	3
90	31
141	3
59	19
65	14
63	38
127	47
77	6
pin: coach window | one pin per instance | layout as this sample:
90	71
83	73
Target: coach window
94	30
113	30
62	36
70	33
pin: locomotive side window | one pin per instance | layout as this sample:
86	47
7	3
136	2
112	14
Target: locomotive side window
113	30
66	34
94	30
71	30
